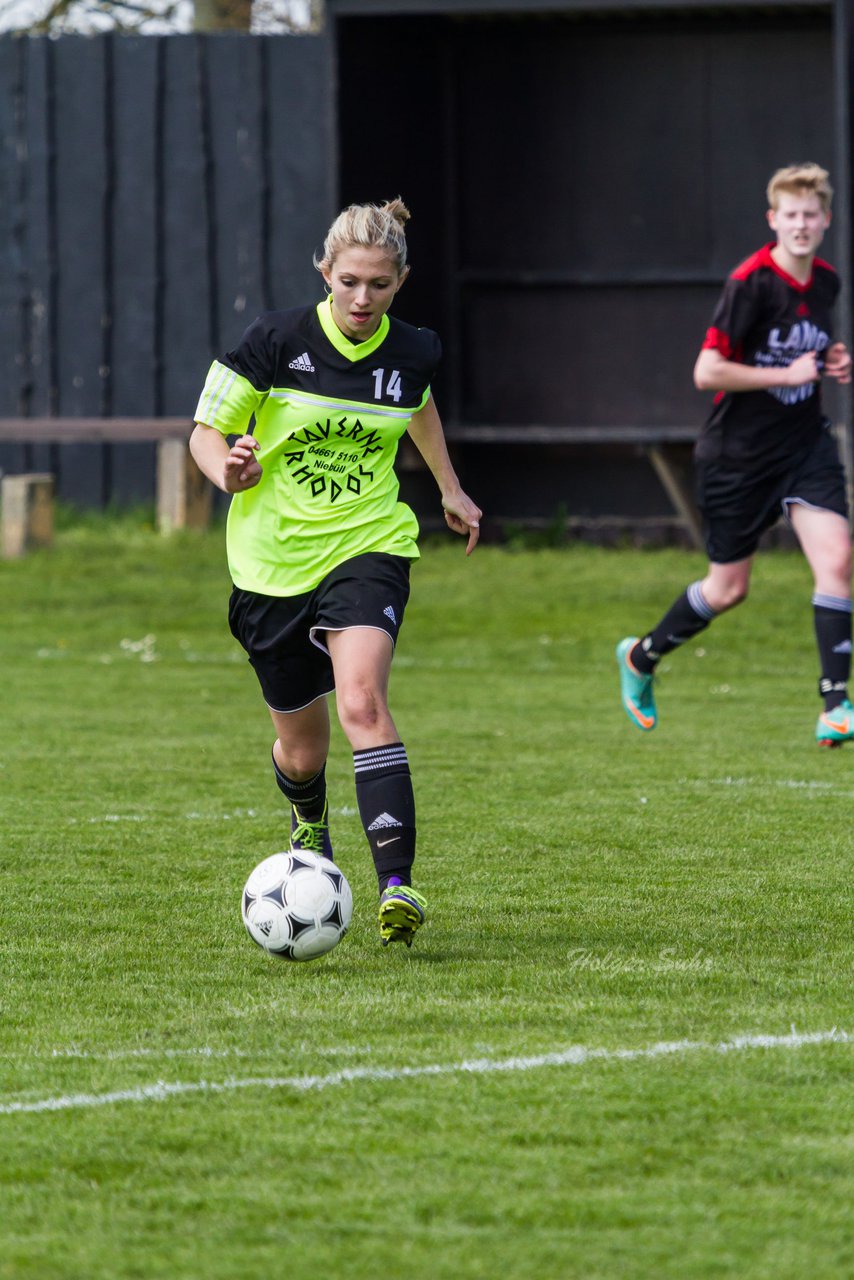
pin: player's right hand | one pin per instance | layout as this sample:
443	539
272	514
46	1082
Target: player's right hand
804	369
242	470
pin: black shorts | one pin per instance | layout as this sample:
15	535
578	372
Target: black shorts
739	506
284	635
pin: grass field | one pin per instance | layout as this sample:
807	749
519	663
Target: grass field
610	1053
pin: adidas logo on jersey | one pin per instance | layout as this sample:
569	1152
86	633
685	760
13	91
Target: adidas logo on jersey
303	363
384	820
389	613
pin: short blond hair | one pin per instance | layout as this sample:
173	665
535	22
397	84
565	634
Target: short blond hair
367	226
800	180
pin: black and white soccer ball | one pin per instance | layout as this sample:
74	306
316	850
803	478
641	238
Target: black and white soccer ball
297	905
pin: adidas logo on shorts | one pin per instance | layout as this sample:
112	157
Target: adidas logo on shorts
389	613
303	363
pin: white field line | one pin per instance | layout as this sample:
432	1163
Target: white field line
341	811
200	1051
821	788
576	1056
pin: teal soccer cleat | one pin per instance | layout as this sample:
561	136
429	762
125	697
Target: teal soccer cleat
836	726
635	689
310	836
402	913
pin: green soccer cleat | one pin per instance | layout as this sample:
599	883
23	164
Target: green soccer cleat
402	913
836	726
311	836
636	689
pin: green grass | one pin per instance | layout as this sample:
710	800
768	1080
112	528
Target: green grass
589	886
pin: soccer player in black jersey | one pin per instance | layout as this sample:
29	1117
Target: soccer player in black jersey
766	449
319	545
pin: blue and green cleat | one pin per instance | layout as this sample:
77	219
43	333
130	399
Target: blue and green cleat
836	726
310	836
636	689
402	913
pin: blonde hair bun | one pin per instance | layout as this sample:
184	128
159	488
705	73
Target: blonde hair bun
368	226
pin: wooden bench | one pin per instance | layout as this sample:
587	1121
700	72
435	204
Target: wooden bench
183	495
663	446
26	504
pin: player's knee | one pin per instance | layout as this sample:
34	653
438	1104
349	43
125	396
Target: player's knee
730	594
839	568
359	707
300	761
832	576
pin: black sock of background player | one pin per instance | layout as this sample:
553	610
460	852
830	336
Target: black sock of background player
686	618
387	809
833	634
309	796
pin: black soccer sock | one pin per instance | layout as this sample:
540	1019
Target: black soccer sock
387	809
308	796
686	618
833	635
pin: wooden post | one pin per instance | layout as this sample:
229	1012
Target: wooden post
27	512
676	477
843	183
184	495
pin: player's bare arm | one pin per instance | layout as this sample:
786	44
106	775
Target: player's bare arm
231	469
714	372
461	514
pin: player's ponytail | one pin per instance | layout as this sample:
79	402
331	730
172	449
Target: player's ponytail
368	226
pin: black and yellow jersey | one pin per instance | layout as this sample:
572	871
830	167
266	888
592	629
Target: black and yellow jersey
328	415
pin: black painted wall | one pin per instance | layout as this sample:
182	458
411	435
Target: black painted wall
579	189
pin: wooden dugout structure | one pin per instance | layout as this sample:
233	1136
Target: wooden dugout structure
581	176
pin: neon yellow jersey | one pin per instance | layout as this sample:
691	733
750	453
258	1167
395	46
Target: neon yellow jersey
328	417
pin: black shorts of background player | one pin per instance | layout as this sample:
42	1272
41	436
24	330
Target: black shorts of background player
766	451
319	545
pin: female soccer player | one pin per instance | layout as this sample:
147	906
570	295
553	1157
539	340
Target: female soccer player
766	449
319	546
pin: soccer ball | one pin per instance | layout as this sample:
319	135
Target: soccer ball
297	905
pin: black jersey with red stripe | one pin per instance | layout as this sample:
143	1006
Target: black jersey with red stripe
766	318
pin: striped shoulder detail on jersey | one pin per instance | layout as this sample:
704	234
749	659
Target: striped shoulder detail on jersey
217	385
762	258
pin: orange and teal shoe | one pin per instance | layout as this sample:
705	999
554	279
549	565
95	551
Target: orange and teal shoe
402	913
635	689
836	726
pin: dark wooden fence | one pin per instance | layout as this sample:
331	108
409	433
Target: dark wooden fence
155	195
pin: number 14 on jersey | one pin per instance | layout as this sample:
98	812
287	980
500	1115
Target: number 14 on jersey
393	387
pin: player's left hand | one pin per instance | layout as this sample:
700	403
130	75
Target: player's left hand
462	516
837	362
